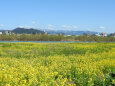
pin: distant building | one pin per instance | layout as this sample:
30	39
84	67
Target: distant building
45	33
6	32
97	34
103	34
112	34
0	33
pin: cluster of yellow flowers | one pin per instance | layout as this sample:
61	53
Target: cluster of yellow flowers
36	64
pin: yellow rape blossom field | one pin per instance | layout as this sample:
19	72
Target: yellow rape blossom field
57	64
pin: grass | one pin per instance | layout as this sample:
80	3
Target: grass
57	64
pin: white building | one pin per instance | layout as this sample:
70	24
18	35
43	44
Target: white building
0	33
97	34
103	34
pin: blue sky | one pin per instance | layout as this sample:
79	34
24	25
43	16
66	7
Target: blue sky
93	15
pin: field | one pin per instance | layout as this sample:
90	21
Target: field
57	64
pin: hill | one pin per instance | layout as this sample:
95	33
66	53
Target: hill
69	32
27	31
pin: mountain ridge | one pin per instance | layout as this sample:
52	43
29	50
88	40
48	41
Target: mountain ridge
40	31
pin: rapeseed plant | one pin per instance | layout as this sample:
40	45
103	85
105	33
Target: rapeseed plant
57	64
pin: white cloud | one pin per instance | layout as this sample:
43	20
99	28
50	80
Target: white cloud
69	27
74	27
50	26
33	22
1	25
102	27
89	29
27	27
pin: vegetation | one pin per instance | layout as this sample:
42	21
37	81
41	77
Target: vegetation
95	38
57	64
59	37
27	31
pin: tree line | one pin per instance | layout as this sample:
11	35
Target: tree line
59	37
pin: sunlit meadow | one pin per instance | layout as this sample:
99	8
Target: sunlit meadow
57	64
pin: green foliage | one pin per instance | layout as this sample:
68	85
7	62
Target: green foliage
45	37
